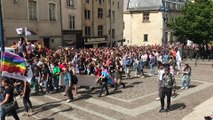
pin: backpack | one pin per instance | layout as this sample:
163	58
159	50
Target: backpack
74	79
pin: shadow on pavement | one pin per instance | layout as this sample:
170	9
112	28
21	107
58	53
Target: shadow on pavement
47	119
65	110
178	106
136	83
43	107
192	86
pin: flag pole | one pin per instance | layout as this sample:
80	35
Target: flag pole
1	28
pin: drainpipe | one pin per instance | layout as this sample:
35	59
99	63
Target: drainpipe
61	18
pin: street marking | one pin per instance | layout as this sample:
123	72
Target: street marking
145	108
81	108
57	110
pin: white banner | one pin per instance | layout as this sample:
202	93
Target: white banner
27	33
19	31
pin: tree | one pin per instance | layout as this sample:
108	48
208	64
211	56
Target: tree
196	22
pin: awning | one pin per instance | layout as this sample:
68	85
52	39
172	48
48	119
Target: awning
95	42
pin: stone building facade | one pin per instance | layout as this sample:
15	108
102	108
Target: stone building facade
40	17
144	24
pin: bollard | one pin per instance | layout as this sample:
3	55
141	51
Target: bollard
208	58
202	58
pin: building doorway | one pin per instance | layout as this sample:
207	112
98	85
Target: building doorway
47	42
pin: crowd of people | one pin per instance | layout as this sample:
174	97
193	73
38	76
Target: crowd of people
57	71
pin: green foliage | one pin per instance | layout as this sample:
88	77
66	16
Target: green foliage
196	21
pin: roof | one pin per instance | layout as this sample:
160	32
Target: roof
143	5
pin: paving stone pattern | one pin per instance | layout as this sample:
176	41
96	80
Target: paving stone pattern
135	102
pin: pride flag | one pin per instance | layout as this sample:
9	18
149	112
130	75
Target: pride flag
13	63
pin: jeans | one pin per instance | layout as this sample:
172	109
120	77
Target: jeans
48	85
185	79
68	91
127	71
56	83
35	85
104	85
1	99
166	92
152	69
26	100
13	113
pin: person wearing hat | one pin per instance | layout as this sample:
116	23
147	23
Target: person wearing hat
166	86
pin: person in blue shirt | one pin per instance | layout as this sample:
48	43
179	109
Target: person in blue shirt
104	77
127	63
68	84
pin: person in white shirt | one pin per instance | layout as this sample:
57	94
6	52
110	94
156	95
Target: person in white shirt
159	79
178	60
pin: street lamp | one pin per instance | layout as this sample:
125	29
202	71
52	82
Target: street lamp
164	9
1	28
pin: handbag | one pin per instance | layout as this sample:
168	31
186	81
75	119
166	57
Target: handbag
12	106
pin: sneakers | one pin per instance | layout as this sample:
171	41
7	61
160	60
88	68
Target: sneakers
157	99
182	88
161	110
167	110
186	88
68	100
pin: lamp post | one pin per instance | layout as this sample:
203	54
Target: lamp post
164	9
1	28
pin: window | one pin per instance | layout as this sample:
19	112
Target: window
113	16
87	31
145	37
145	17
52	11
113	33
71	3
118	5
87	14
87	1
72	21
100	1
100	30
100	13
32	10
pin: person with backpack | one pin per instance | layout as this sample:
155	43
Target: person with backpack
166	86
118	75
186	77
74	81
104	78
68	84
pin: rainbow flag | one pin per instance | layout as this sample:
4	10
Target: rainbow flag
13	63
